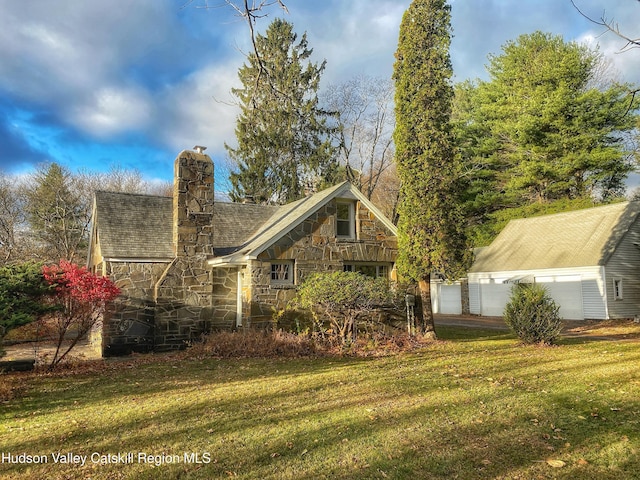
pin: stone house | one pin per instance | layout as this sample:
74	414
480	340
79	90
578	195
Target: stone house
187	265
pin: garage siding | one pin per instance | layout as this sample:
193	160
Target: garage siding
623	265
578	292
446	298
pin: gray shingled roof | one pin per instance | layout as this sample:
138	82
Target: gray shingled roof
134	226
235	223
572	239
140	226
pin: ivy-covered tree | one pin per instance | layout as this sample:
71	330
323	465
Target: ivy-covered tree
430	234
282	134
548	131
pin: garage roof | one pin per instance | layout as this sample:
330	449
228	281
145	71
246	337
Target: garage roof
572	239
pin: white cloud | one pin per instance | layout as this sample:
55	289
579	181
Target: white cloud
357	37
200	110
78	60
153	70
113	110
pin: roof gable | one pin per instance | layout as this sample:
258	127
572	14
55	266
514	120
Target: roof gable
571	239
291	215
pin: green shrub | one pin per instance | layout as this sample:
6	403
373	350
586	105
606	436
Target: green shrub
532	315
22	290
343	299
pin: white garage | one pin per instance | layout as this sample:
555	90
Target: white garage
589	261
446	298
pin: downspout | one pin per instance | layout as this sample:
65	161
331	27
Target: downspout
239	299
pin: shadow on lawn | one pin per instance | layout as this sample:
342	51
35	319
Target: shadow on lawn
311	419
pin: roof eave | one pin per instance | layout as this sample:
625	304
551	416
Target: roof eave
228	261
138	259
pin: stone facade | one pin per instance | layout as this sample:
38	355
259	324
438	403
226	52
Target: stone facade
464	295
225	292
131	325
163	306
314	247
183	295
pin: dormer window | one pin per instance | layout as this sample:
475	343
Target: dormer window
345	220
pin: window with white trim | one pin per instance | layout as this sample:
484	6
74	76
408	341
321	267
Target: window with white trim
617	288
375	270
345	220
282	273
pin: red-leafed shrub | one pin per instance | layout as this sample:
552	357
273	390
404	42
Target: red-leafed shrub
81	298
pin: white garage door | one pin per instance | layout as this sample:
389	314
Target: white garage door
566	291
494	295
450	299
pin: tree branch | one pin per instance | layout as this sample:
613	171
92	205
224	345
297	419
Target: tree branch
612	27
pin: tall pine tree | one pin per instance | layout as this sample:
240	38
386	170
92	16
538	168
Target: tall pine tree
282	133
430	234
548	131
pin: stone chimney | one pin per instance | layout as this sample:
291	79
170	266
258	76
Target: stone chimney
193	203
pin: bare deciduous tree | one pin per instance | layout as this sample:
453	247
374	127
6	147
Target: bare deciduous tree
364	111
13	244
250	11
612	26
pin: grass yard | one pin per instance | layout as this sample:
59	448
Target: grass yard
475	405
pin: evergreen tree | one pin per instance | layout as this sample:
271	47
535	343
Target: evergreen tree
429	229
546	132
282	134
57	215
22	293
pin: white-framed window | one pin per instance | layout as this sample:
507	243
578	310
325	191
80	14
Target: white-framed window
282	273
345	220
375	270
617	288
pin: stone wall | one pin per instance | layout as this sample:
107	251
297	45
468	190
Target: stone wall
183	304
165	305
464	296
225	288
130	327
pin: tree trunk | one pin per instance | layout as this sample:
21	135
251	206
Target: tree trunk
426	310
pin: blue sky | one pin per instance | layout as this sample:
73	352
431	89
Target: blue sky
91	84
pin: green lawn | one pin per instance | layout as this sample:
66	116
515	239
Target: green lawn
473	406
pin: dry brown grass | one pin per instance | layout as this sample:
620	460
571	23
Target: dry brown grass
9	387
253	344
263	344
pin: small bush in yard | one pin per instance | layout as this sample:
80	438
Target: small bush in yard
342	298
532	315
